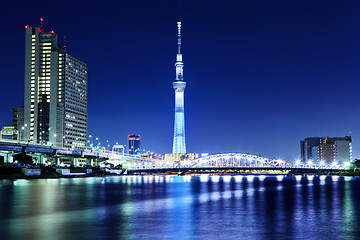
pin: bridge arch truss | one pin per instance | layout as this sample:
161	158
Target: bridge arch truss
235	160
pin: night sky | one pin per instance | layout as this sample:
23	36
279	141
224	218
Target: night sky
261	75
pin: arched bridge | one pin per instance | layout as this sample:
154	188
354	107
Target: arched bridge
236	162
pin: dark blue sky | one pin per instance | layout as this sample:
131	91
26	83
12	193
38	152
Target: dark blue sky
261	75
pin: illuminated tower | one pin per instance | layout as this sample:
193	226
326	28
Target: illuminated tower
179	87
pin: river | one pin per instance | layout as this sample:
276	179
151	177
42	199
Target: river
181	207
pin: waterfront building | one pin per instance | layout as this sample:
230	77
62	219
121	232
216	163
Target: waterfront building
328	150
179	87
55	101
335	150
134	144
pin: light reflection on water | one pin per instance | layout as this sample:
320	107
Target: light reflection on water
193	207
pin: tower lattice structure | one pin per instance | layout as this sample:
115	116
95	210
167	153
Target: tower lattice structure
179	85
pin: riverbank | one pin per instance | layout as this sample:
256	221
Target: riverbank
14	177
17	172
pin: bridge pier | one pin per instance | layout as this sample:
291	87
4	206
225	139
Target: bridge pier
75	162
8	157
38	158
57	160
90	162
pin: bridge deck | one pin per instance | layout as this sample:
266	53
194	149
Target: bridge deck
232	169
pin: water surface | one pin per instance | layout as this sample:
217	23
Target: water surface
185	207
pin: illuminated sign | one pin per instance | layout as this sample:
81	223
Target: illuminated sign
9	131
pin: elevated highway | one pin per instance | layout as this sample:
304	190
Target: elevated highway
41	152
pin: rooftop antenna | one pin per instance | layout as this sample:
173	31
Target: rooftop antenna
65	43
41	22
179	36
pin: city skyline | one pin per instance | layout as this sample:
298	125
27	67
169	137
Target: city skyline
262	77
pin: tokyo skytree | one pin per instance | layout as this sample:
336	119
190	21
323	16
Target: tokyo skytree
179	85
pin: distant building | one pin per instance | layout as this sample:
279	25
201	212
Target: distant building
55	102
152	155
18	122
175	157
309	149
336	149
327	149
134	144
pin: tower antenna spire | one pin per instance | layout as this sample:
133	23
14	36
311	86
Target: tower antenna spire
41	22
179	36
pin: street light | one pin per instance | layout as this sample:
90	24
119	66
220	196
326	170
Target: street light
21	132
90	141
21	135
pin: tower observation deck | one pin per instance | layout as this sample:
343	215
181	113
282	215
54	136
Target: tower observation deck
179	85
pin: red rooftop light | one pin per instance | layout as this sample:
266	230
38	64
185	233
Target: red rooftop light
41	19
27	26
52	32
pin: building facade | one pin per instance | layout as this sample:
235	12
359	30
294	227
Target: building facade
179	85
55	101
18	122
134	144
309	149
175	157
328	150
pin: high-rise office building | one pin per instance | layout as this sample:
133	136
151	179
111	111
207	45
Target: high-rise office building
55	102
336	149
327	149
179	87
134	144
